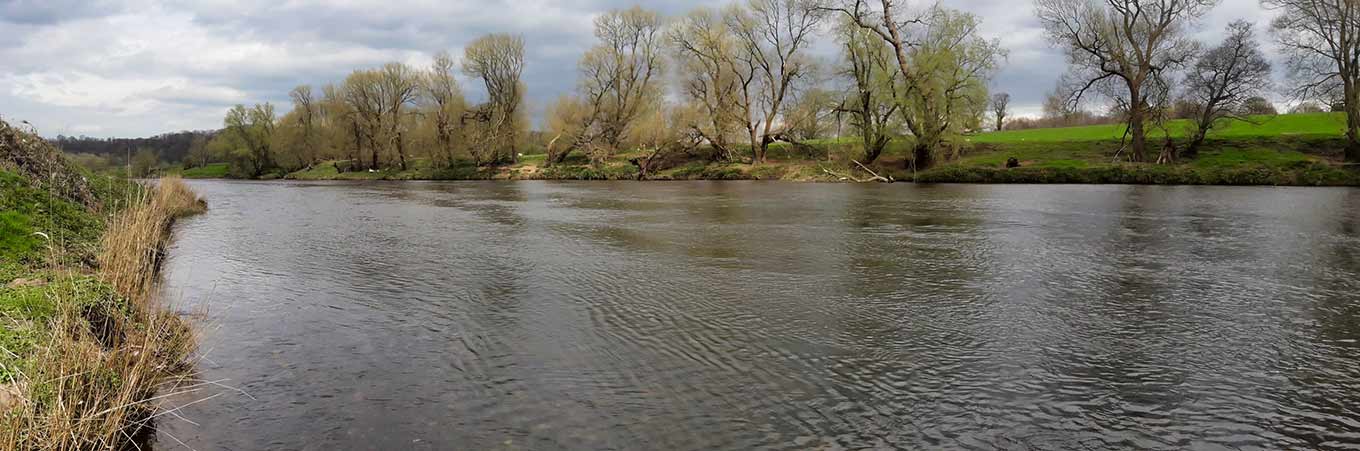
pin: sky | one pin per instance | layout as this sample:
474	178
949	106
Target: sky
127	68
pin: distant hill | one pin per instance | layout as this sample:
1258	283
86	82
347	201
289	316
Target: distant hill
171	147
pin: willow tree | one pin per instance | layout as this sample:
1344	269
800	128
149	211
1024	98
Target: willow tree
1322	41
253	130
946	92
398	86
305	117
872	102
344	130
445	98
1124	49
772	38
498	60
620	79
715	88
944	65
365	105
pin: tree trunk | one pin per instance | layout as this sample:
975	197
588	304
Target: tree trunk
921	158
1352	107
755	147
1137	115
401	151
1137	134
1192	149
375	156
873	148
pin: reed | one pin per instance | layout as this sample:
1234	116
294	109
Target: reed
99	380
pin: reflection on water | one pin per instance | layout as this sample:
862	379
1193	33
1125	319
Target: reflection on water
759	315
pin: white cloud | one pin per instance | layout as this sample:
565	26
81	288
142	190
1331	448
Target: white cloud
140	67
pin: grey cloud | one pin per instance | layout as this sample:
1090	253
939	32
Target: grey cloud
47	12
191	58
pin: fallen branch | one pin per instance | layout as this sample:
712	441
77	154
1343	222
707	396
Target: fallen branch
875	174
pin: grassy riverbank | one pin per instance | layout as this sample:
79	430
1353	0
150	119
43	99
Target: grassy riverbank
1298	149
84	345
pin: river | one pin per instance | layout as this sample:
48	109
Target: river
757	315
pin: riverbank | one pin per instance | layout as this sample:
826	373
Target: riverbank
1296	161
85	345
1296	149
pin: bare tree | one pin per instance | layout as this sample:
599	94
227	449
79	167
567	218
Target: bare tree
498	59
772	37
1223	79
1001	103
1322	41
1125	48
446	100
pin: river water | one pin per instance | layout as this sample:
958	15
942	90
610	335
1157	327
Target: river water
749	315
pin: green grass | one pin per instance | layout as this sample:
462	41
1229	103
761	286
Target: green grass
73	231
28	211
1318	124
209	171
27	312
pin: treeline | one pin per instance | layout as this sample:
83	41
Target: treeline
726	84
743	75
168	147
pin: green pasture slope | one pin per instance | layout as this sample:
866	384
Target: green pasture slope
1296	149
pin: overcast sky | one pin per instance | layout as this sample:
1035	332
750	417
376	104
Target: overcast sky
143	67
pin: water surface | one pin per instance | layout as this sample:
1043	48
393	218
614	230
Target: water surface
541	315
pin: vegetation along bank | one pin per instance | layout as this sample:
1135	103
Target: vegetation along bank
736	93
86	348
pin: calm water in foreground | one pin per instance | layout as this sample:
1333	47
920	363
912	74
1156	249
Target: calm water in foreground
540	315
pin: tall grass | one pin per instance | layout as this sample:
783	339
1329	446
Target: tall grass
97	381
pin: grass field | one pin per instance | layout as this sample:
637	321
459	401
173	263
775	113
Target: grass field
1319	124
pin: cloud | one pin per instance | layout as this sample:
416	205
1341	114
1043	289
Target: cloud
141	67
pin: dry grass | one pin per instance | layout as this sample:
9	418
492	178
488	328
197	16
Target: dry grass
97	382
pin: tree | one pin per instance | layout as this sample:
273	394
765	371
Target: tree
1125	49
446	100
397	89
1258	106
620	79
944	65
364	111
1222	80
497	59
253	129
704	50
1322	41
772	37
872	100
1001	103
144	162
805	116
306	120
